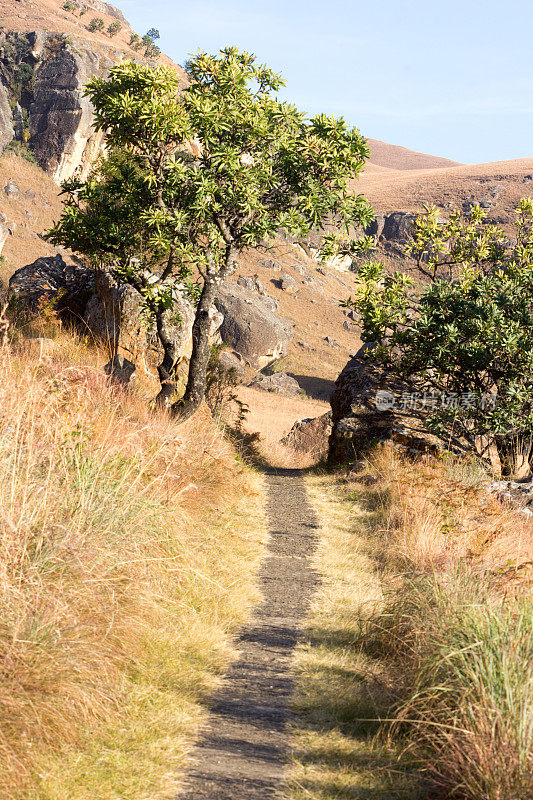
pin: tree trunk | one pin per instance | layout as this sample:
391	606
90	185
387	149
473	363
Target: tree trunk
197	378
168	365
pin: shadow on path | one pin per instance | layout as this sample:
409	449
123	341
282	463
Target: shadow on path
242	754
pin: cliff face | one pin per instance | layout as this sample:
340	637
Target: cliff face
42	106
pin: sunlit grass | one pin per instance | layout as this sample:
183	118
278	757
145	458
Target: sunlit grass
341	691
129	547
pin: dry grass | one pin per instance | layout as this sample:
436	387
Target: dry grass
272	416
341	690
457	626
129	547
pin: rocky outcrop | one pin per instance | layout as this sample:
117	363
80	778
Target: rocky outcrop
310	436
250	326
115	315
397	226
52	281
107	8
111	312
60	117
42	103
366	408
7	131
278	383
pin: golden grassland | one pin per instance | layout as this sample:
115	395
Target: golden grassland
415	677
129	547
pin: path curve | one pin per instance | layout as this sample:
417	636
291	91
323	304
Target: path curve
242	754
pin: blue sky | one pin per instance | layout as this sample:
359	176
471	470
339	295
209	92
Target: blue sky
445	77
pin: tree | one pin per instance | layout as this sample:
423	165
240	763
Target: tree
96	24
153	34
151	50
198	174
464	338
114	28
135	41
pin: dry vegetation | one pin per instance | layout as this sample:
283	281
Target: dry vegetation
443	655
128	561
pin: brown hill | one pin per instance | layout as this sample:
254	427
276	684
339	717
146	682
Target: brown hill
50	15
401	158
497	185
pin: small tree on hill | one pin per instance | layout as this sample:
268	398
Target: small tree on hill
114	28
96	24
196	175
463	340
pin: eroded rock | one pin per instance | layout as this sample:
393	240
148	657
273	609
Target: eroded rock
366	410
279	383
251	327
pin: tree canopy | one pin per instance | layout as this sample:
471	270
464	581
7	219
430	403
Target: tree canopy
463	338
198	172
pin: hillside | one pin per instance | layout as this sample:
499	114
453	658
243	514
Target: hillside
401	158
49	15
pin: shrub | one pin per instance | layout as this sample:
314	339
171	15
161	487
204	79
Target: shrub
114	28
96	24
464	341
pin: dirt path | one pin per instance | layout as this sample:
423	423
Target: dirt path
242	754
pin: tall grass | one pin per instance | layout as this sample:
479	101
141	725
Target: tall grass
457	627
126	562
467	662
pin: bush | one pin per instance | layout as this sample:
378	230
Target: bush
114	28
96	24
464	341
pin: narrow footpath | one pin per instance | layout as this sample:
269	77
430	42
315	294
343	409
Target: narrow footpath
243	751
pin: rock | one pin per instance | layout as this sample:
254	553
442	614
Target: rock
300	269
61	118
11	190
107	8
270	264
397	226
251	327
310	436
12	228
348	326
4	233
29	194
229	361
7	131
331	342
259	287
279	383
342	263
376	226
248	283
115	316
269	302
366	409
3	218
120	370
288	284
51	280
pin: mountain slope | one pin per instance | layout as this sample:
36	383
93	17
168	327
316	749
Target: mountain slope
394	157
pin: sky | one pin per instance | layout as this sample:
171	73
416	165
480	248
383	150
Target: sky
444	77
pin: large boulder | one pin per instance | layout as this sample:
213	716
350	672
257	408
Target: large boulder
278	383
310	436
251	327
367	408
51	280
397	226
115	316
